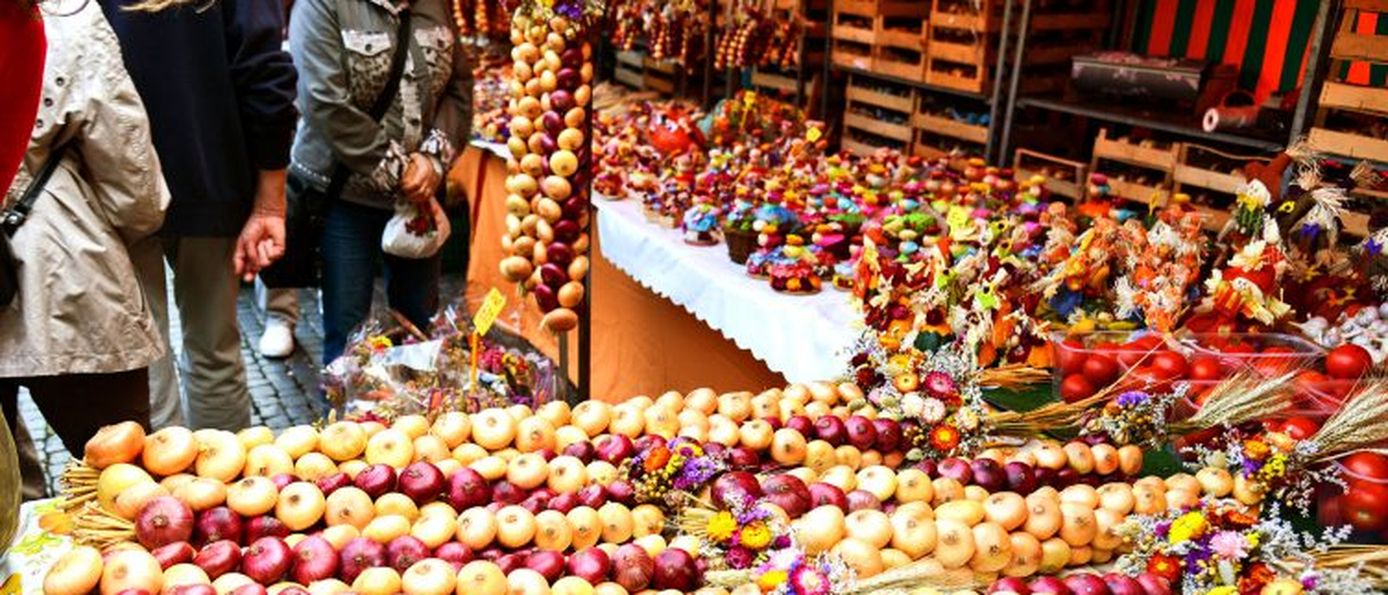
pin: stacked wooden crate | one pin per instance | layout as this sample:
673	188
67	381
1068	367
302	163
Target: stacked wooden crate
882	36
878	114
964	41
631	69
1350	103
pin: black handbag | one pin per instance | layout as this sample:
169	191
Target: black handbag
14	217
301	264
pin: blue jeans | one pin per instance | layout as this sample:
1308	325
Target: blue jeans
351	250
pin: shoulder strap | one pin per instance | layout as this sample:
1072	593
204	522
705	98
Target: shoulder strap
385	98
19	211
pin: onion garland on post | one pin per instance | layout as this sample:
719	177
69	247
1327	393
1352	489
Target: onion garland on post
549	172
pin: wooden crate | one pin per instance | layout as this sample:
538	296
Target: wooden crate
1162	160
856	92
980	16
1348	144
1187	173
852	55
945	126
1135	192
774	81
1074	189
850	25
900	63
1339	96
909	32
878	127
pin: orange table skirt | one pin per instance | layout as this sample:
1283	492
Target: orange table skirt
641	343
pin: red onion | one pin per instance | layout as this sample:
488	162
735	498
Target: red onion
788	492
929	467
358	555
646	442
178	552
827	493
988	474
511	562
565	502
403	551
1049	584
282	479
549	564
862	434
536	503
614	448
632	567
590	564
1010	583
582	450
1086	584
454	553
216	524
675	569
1153	584
162	521
375	480
888	435
193	590
1020	478
742	457
734	487
331	483
293	590
422	482
314	560
802	424
134	592
831	429
506	492
265	526
250	589
593	496
621	492
467	489
1120	584
218	558
266	560
863	500
956	469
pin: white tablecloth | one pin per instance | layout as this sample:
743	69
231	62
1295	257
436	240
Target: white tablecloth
802	337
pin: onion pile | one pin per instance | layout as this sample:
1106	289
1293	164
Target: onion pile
548	171
515	499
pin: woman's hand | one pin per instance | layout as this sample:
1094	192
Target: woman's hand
420	179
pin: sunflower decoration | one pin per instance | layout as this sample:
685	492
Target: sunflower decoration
741	537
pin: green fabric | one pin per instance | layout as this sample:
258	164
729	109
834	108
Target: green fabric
1256	49
1299	38
1143	33
1180	35
1219	30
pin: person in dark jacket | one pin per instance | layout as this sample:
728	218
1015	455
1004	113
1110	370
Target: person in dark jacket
344	49
219	89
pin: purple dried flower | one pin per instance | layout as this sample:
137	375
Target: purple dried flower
1132	398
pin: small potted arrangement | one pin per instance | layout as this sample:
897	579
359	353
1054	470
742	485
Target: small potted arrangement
700	224
738	231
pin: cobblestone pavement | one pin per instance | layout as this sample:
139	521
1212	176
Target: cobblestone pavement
283	392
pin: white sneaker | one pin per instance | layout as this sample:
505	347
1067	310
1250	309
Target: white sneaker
278	340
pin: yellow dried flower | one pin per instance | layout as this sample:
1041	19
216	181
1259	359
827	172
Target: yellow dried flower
721	526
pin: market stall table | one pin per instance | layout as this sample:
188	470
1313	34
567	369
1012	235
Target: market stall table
642	343
803	337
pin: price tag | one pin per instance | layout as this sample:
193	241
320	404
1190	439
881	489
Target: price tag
813	134
487	313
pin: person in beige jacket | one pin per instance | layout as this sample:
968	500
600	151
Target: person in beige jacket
79	334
